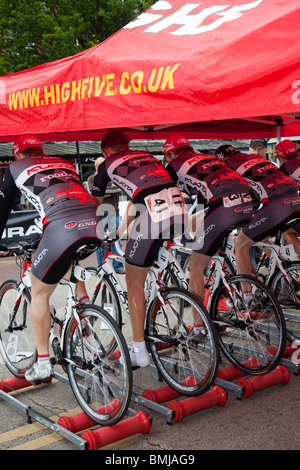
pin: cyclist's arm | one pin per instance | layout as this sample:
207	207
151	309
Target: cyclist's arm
100	183
98	200
3	250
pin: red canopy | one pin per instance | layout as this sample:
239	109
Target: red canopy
209	69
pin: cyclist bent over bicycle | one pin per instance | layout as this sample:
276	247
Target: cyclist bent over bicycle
157	210
224	194
288	156
277	193
68	214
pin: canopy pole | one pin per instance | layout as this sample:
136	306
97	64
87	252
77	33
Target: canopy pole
278	125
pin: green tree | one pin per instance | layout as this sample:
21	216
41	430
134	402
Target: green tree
33	32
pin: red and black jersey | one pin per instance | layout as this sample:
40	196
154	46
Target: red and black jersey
263	176
137	173
206	176
50	184
292	168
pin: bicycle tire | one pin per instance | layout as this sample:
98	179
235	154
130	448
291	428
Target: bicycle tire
104	295
101	384
177	354
255	335
289	299
17	343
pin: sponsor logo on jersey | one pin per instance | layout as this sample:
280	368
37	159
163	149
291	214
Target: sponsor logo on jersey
70	225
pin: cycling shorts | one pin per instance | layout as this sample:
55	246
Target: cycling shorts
273	216
61	238
222	214
147	236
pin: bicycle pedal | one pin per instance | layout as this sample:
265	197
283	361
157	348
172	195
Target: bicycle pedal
40	382
139	367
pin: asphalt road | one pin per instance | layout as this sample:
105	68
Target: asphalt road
268	420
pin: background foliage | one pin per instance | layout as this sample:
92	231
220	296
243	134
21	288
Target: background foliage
33	32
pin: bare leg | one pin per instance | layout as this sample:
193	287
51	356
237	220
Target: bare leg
291	236
243	260
198	263
80	289
135	280
242	253
40	313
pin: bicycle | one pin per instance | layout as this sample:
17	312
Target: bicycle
242	334
281	273
187	363
87	342
252	334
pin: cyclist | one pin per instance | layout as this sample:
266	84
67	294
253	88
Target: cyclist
224	194
287	154
278	196
68	214
156	210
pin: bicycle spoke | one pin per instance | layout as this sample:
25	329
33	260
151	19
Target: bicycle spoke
288	293
96	375
17	344
253	329
187	363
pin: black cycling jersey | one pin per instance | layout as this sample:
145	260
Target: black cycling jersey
217	186
265	179
50	184
67	210
206	176
160	205
137	173
292	168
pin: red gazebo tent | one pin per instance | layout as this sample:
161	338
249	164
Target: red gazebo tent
209	69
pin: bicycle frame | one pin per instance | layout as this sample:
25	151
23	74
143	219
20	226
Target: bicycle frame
279	254
165	257
219	274
71	301
220	270
23	285
175	265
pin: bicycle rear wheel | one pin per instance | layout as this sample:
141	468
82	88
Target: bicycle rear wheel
17	343
186	361
288	294
101	383
252	334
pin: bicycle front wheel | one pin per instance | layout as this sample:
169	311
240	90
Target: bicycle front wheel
252	332
99	367
287	291
187	361
17	343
